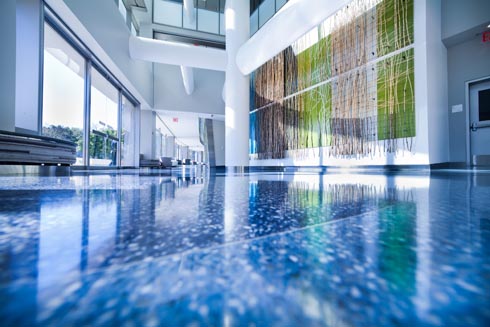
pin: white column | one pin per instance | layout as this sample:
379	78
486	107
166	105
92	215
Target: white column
170	146
237	85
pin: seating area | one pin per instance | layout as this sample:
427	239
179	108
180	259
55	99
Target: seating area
25	149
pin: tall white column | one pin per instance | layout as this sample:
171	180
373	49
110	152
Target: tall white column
170	146
237	23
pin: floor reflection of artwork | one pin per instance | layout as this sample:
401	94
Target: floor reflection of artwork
347	85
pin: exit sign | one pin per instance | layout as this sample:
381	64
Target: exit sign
486	36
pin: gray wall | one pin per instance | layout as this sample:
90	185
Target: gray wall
103	20
219	141
170	93
466	61
7	65
437	112
459	16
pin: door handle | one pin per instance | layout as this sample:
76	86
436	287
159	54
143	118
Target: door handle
477	125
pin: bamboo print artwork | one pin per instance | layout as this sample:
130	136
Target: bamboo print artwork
347	86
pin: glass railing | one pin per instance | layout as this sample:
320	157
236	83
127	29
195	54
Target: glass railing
208	16
264	10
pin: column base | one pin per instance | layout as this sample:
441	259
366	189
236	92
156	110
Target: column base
238	170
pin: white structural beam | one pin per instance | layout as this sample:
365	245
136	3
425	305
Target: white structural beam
179	54
295	19
188	79
237	88
189	11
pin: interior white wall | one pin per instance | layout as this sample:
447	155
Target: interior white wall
170	94
7	65
219	141
28	33
102	28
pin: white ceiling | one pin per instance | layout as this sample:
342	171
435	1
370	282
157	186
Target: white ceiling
185	128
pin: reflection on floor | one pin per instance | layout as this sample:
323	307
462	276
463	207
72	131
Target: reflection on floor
264	248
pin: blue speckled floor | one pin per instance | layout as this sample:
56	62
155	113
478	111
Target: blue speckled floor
257	250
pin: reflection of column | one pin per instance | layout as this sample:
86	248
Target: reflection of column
236	205
237	22
85	230
20	255
189	11
423	252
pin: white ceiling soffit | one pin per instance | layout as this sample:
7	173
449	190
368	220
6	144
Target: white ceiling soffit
295	19
179	54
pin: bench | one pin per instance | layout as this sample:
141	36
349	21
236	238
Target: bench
26	149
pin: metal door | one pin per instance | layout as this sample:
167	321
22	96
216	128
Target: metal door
480	123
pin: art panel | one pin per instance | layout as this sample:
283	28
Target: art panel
347	85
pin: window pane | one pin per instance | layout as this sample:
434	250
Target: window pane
222	28
128	133
103	121
208	21
168	13
63	91
254	22
266	11
280	3
484	105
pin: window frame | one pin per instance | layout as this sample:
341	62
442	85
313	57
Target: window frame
52	19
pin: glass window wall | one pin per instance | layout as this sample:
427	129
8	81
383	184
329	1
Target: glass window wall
104	139
105	128
63	91
208	15
128	133
261	11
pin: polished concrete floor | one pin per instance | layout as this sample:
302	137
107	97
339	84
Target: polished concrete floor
262	249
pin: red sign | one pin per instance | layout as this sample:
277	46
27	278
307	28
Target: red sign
486	36
175	120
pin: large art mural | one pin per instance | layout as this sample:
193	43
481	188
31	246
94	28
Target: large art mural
347	86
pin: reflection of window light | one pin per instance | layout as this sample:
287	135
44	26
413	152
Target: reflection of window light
64	59
133	29
122	9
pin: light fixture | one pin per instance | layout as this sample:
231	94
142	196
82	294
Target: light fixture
488	26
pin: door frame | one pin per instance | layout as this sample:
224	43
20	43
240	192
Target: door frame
468	85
